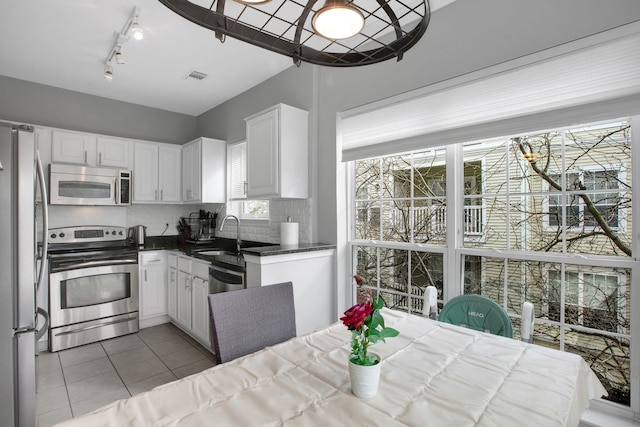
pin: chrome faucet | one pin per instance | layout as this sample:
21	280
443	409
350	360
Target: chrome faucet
238	241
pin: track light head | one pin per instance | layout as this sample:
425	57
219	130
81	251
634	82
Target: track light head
136	30
108	72
119	56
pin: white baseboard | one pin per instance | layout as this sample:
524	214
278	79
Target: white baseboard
153	321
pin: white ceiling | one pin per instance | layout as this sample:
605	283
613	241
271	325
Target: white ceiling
64	43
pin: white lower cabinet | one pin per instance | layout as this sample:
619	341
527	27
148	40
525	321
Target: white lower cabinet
190	298
172	285
152	288
199	300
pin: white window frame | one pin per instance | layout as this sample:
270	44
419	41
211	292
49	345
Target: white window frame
622	211
621	290
239	205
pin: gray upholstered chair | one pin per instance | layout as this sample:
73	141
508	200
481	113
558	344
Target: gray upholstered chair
249	320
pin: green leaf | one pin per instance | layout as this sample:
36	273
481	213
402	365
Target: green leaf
378	303
376	319
388	333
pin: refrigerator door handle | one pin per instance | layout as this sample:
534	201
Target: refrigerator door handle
43	330
45	221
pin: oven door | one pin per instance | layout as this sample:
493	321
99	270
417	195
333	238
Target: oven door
92	303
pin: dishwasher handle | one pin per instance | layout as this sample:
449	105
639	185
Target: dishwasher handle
226	276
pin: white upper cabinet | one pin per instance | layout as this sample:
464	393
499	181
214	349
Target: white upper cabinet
156	172
277	153
169	173
113	152
90	150
204	176
72	147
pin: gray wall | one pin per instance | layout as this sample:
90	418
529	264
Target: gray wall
26	102
463	37
466	36
294	87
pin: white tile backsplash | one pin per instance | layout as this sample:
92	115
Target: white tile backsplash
269	231
156	217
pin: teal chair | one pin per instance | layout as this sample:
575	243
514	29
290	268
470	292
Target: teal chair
479	313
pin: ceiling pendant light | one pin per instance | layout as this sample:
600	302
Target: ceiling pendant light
337	20
306	32
253	2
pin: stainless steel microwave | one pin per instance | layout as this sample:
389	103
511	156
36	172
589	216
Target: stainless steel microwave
86	186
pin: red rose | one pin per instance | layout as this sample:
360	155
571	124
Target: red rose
354	317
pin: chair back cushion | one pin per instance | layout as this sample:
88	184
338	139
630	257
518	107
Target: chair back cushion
249	320
479	313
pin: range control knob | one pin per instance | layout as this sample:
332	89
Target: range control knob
61	235
54	235
121	233
113	232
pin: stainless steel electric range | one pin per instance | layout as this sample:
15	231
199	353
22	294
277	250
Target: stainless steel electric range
93	285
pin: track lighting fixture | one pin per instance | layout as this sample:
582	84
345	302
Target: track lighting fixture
136	31
119	56
108	71
131	29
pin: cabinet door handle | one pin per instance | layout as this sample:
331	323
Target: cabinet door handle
85	156
155	197
161	194
145	274
173	276
246	188
100	158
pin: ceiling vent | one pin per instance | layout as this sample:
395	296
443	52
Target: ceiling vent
195	75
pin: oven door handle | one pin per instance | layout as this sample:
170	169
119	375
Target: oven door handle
100	263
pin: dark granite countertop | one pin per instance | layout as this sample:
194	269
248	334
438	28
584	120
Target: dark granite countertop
228	258
287	249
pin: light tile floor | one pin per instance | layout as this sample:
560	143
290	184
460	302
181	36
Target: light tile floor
78	380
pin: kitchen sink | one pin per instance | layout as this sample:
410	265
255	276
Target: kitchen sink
214	252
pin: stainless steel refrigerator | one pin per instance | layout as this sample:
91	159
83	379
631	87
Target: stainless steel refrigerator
20	178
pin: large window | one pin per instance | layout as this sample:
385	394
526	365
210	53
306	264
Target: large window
542	217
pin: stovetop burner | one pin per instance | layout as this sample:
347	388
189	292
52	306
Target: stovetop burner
89	243
72	245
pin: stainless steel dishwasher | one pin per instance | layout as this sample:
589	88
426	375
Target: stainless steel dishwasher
225	280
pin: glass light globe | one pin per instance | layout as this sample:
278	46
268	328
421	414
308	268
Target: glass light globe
337	20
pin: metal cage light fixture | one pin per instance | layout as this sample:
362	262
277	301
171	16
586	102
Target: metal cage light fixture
310	31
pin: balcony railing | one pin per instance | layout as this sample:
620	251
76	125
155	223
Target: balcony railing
432	220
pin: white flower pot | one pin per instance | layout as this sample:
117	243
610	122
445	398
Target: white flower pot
364	379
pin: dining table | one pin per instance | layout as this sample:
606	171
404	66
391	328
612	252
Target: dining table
432	374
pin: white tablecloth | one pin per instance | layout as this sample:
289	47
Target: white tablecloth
432	374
